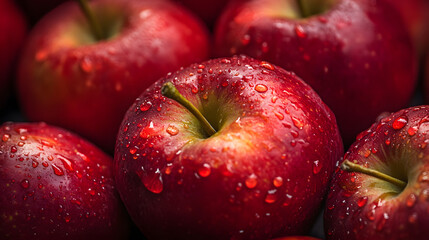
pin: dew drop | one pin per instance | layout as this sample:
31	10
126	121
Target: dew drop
251	181
57	170
261	88
145	106
424	177
411	200
271	196
278	181
245	40
412	130
25	183
288	200
5	137
152	181
91	191
300	31
133	150
371	214
279	115
412	218
267	65
297	122
362	201
13	149
399	123
172	130
86	65
35	163
66	162
265	47
317	166
67	219
204	170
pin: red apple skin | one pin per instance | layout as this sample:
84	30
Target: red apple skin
357	55
415	14
263	175
13	28
35	10
55	185
356	208
87	88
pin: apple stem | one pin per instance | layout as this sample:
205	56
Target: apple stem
302	8
353	167
170	91
95	26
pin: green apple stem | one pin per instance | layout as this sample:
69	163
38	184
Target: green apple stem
170	91
95	26
353	167
303	8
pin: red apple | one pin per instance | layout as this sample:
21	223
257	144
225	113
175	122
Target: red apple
13	29
35	10
55	185
383	191
416	17
355	53
70	79
262	174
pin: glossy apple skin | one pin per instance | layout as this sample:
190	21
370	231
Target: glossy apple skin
55	185
263	174
353	209
68	79
13	28
357	56
415	14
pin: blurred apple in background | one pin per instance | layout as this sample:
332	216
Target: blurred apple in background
262	170
383	190
356	54
55	185
13	29
69	77
35	10
207	10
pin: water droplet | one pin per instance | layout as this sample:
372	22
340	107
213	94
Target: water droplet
5	137
267	65
380	224
245	40
145	106
271	196
133	150
279	115
57	170
83	156
35	163
251	181
412	130
362	201
371	214
387	141
288	200
152	181
67	219
278	181
66	162
424	176
300	31
13	149
204	170
317	166
399	123
172	130
25	183
297	122
194	90
91	191
261	88
411	200
265	47
86	65
412	218
40	186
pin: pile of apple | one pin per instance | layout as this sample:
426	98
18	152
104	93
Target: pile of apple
223	119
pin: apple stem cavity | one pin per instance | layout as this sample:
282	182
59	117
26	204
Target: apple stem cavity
353	167
302	8
170	91
95	26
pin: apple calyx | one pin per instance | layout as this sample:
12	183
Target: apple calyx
170	91
94	24
353	167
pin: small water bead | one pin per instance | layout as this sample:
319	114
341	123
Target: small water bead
204	170
412	130
35	163
133	150
288	200
5	137
57	170
423	176
13	149
172	130
297	122
145	106
25	183
299	30
399	123
411	200
362	201
412	218
86	65
267	65
261	88
271	196
251	181
317	166
278	181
